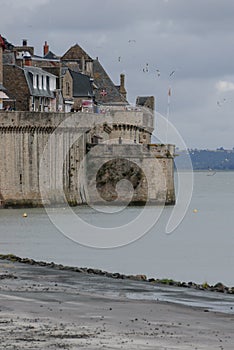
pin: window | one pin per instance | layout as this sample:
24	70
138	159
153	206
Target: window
67	88
40	104
33	104
34	81
40	82
43	82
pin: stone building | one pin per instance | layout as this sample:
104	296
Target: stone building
78	60
34	89
77	88
74	61
105	91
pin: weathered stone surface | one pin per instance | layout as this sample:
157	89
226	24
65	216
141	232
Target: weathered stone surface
69	169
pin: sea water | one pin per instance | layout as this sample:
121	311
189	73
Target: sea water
200	249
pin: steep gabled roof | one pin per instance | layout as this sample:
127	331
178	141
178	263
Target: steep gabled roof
82	86
75	53
106	91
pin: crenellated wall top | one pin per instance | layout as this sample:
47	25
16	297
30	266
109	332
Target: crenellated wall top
18	119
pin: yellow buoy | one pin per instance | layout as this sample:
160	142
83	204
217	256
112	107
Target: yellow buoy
25	215
195	210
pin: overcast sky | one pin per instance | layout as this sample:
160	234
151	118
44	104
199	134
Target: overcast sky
194	38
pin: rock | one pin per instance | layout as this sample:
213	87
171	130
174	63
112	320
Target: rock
151	280
141	277
77	269
32	262
115	275
220	287
191	284
8	276
184	285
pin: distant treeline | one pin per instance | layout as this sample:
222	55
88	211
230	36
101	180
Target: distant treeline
219	159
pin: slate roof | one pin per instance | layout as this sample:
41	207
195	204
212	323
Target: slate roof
82	85
2	88
75	53
141	100
51	56
29	71
106	91
145	101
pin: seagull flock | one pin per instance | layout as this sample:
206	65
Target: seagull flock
146	68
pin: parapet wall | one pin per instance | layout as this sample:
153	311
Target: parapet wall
88	120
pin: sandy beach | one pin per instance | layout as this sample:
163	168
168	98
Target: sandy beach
45	308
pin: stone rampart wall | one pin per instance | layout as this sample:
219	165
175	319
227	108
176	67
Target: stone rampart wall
150	175
43	150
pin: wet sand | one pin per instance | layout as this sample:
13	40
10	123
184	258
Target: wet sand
45	308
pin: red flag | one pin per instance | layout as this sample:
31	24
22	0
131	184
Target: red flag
103	93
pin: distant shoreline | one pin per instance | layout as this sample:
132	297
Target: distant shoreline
203	170
214	160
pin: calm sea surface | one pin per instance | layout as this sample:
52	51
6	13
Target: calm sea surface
200	249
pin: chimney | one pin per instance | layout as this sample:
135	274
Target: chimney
45	48
25	43
122	89
83	64
27	59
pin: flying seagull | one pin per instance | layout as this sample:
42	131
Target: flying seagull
172	73
219	103
146	69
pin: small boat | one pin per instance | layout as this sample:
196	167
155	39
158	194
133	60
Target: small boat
211	172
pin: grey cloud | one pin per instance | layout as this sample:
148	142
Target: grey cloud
193	37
